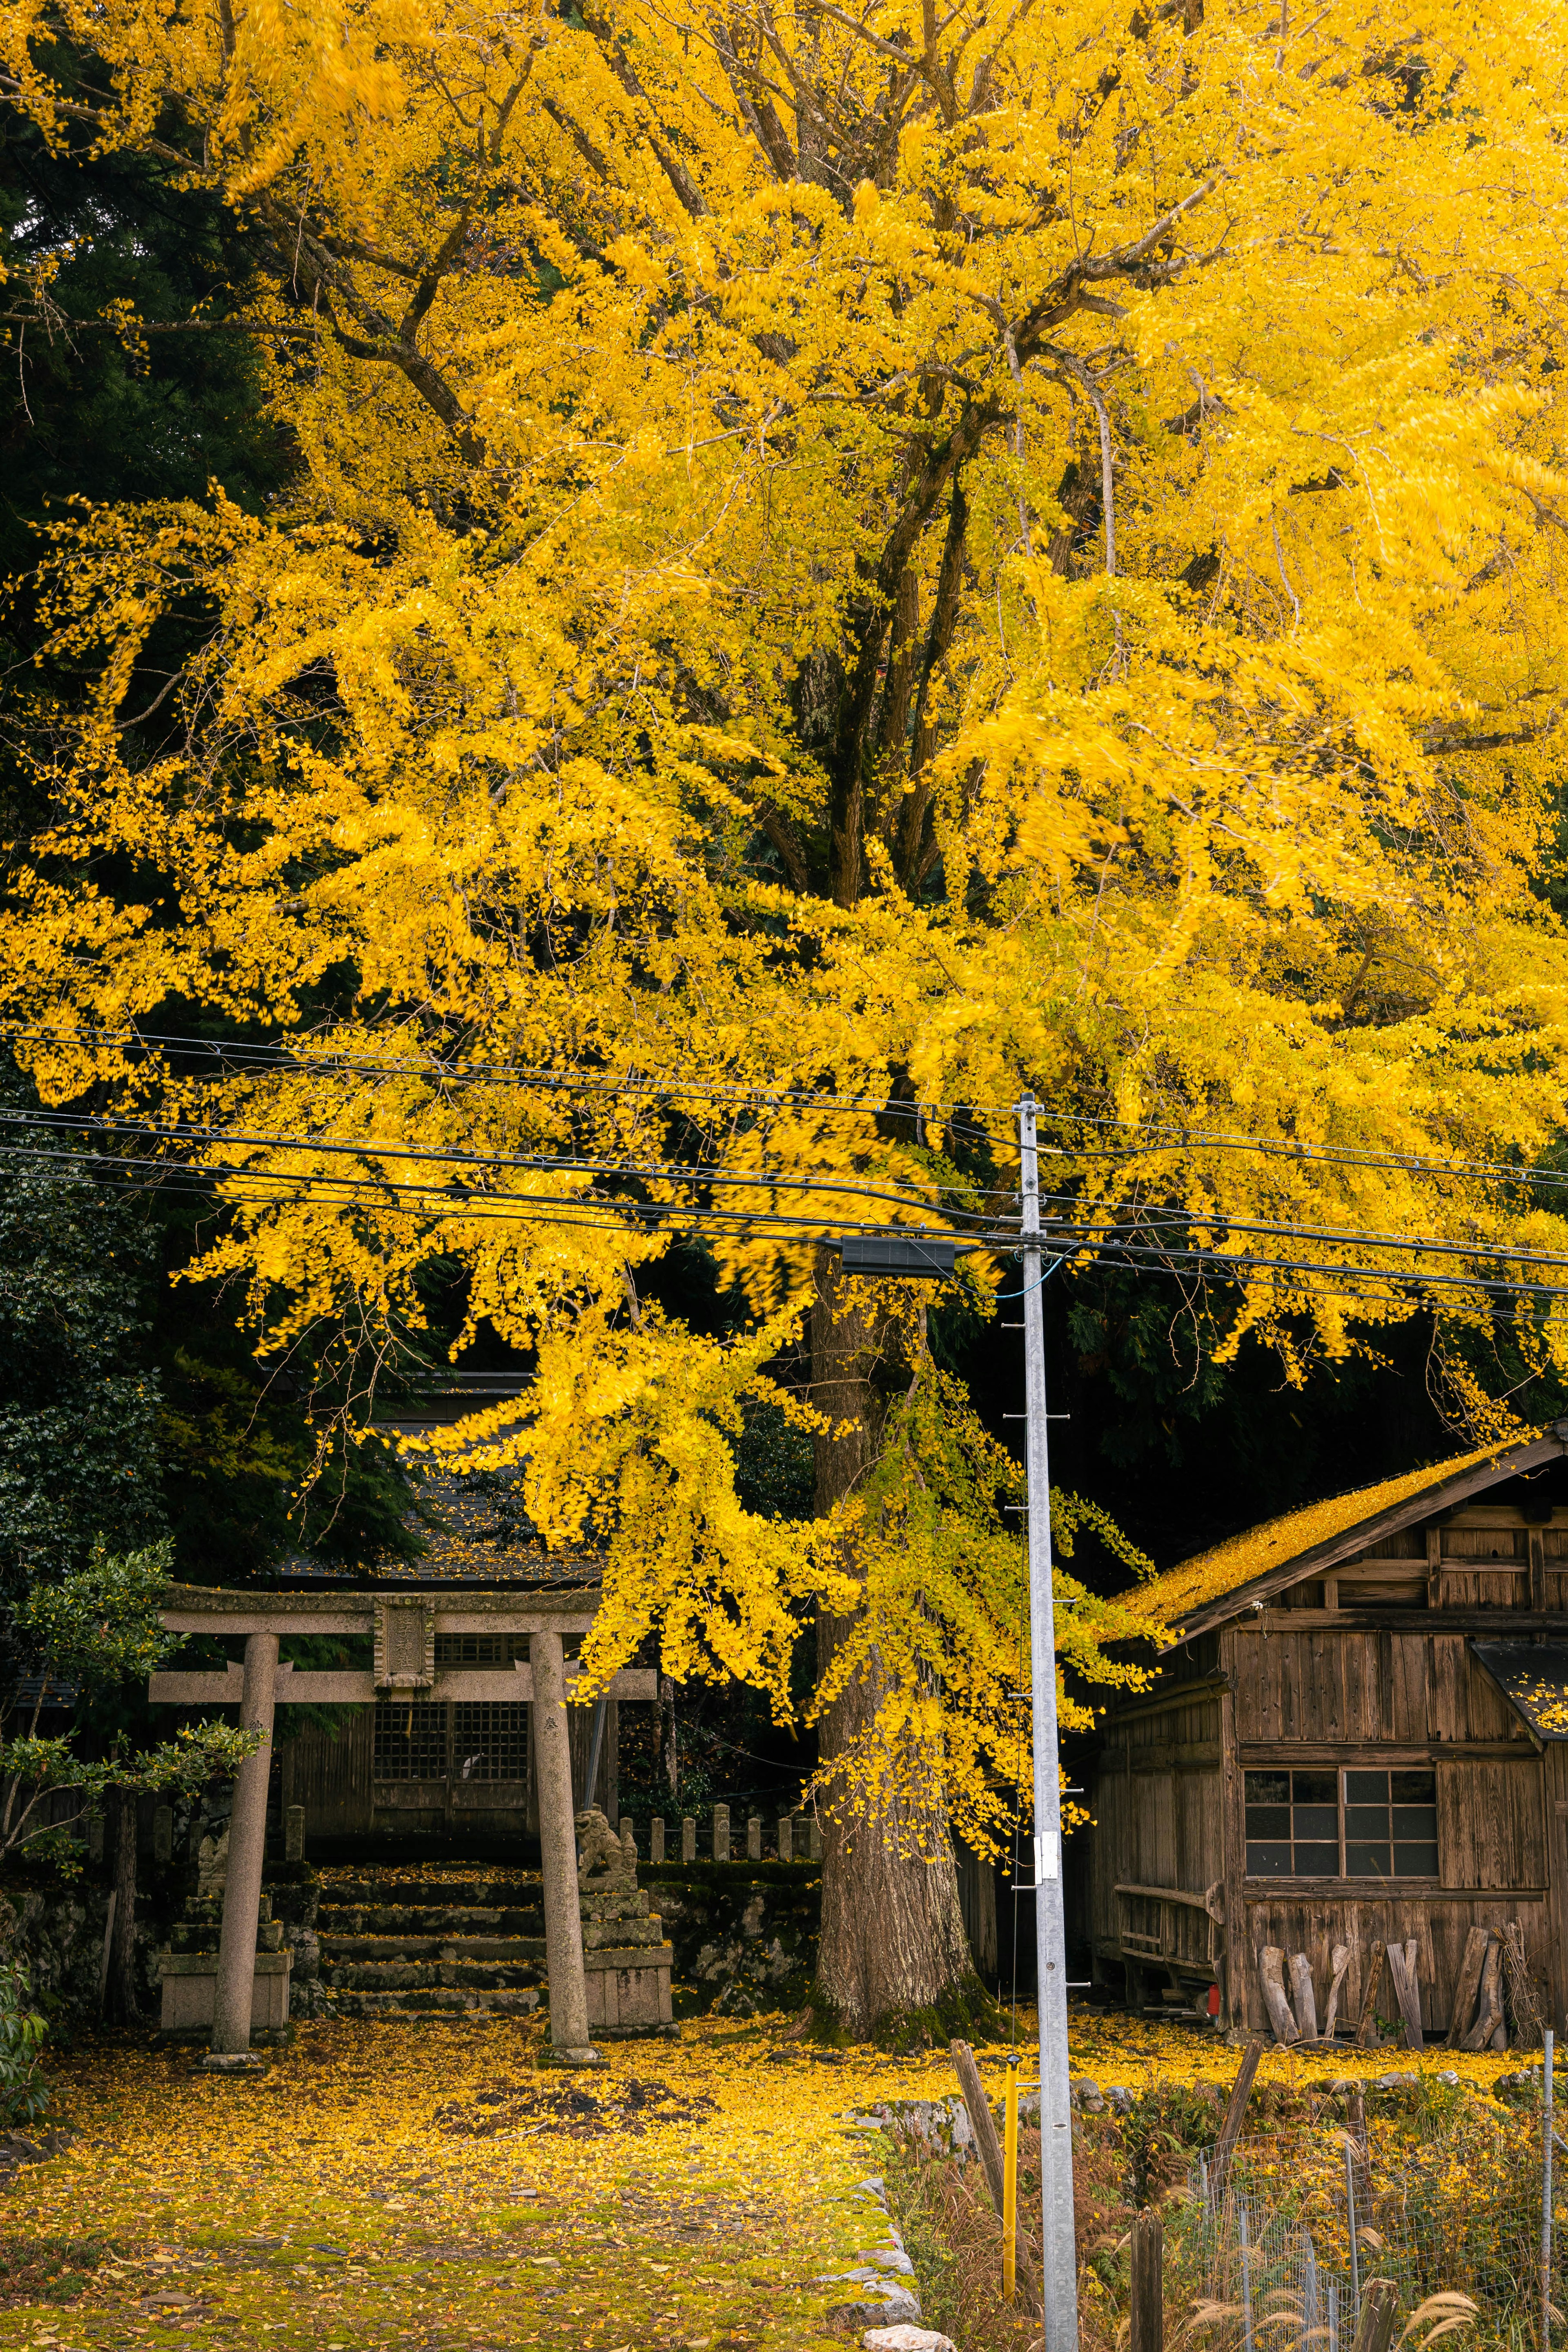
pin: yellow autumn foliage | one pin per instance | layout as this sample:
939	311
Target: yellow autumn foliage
839	553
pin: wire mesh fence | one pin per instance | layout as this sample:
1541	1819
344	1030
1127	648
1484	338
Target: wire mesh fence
1452	2199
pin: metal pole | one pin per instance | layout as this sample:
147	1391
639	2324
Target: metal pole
591	1782
1241	2215
1059	2266
1010	2183
1546	2196
1350	2217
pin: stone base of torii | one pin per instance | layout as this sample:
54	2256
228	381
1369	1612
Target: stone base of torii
403	1625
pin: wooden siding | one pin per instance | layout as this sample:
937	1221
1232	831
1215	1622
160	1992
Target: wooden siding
1491	1823
1156	1805
331	1775
1365	1687
1314	1924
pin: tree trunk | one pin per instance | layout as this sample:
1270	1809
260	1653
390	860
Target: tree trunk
121	2006
892	1933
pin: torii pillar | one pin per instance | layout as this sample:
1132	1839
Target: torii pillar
246	1852
569	2043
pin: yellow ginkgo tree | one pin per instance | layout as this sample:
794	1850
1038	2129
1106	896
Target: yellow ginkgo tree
844	561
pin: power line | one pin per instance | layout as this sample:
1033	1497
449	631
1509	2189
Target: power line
1148	1138
716	1176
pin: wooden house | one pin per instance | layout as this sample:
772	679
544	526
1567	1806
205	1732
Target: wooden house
1359	1735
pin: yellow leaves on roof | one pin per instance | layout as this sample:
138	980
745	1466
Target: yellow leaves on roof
1208	1576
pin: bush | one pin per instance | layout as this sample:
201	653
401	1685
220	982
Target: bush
24	2093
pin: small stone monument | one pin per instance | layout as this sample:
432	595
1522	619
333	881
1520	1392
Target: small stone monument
211	1867
187	1966
754	1838
786	1837
688	1839
721	1833
625	1961
656	1840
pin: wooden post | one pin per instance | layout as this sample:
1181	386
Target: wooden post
1467	1985
1402	1968
1306	1999
1230	2130
1366	2032
1379	2310
247	1850
1148	2331
983	2123
569	2043
1010	2185
1342	1959
1233	1844
1271	1971
1489	2016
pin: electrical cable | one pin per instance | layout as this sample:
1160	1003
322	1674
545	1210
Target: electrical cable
1151	1137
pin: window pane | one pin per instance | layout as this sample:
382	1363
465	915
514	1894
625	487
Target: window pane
1315	1787
1267	1787
1366	1821
1318	1861
1416	1821
1416	1862
1322	1822
1414	1787
1269	1821
1267	1860
1366	1788
1367	1860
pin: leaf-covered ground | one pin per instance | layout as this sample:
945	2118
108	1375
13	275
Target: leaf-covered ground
428	2188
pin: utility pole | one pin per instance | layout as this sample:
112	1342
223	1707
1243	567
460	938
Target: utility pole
1060	2250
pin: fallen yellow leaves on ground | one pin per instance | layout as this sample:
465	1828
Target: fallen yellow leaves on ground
428	2188
429	2185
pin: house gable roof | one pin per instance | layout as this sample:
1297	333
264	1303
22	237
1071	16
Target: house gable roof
1217	1585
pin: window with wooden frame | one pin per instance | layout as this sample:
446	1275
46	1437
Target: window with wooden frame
1348	1821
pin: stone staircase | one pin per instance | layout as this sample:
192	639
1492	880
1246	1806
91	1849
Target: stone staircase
431	1943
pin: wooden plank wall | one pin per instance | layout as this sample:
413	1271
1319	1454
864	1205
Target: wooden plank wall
1369	1694
1156	1805
331	1777
1315	1924
1333	1686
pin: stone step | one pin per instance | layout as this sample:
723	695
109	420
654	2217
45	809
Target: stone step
505	1887
437	2000
429	1947
428	1919
412	1976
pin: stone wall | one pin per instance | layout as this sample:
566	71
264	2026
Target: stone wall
745	1932
58	1927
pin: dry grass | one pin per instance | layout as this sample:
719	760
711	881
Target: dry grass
955	2235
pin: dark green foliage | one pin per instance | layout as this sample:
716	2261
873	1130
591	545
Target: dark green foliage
774	1474
1161	2131
87	414
78	1408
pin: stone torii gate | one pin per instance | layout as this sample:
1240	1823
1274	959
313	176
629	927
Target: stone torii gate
401	1624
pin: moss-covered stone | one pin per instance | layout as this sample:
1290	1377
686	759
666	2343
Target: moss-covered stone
745	1932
